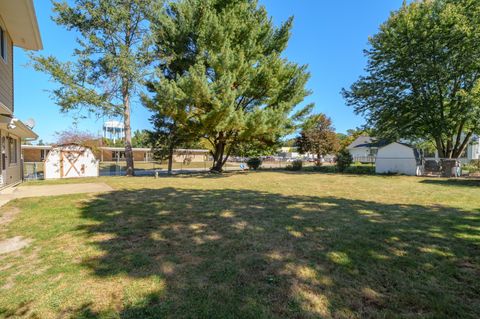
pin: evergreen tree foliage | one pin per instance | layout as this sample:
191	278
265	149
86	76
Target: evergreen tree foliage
221	72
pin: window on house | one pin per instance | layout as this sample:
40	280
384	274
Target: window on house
43	154
116	155
3	44
12	150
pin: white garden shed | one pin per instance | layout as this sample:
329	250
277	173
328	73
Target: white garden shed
398	158
70	161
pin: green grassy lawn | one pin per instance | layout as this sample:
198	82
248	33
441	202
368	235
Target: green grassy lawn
248	245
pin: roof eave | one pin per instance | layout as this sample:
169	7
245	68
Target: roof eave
38	44
21	22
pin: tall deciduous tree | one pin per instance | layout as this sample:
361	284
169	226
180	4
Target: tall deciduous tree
318	137
109	62
141	139
220	61
423	75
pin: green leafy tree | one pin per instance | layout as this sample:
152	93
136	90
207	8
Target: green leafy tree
318	137
141	139
108	63
289	142
221	61
423	75
256	148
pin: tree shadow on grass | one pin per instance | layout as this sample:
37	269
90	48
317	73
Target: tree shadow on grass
247	254
453	182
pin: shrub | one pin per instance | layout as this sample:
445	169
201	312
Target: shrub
295	166
254	163
322	169
344	160
360	170
472	167
475	164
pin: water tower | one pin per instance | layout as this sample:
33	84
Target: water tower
113	130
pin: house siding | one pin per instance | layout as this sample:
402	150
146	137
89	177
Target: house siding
6	74
13	171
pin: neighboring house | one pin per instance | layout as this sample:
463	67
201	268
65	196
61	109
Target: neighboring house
398	158
288	152
18	27
37	153
113	154
473	150
364	149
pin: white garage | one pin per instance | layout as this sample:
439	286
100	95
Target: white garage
398	158
70	161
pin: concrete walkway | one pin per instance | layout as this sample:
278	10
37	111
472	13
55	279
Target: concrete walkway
9	194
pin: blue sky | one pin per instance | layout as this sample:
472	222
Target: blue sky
329	36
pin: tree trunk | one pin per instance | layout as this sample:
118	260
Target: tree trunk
128	133
458	152
440	149
319	162
448	150
170	160
218	157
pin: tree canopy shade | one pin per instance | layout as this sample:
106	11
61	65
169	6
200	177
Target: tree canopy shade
423	75
109	62
220	63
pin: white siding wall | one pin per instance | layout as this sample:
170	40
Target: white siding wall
473	152
396	158
85	166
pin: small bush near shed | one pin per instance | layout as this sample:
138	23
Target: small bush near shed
254	163
344	160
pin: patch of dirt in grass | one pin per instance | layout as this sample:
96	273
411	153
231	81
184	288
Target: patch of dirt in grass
8	216
13	244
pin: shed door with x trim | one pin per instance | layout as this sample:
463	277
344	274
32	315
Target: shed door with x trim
71	163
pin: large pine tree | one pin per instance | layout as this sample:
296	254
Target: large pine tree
220	61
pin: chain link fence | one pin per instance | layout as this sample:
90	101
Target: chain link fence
428	167
35	170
